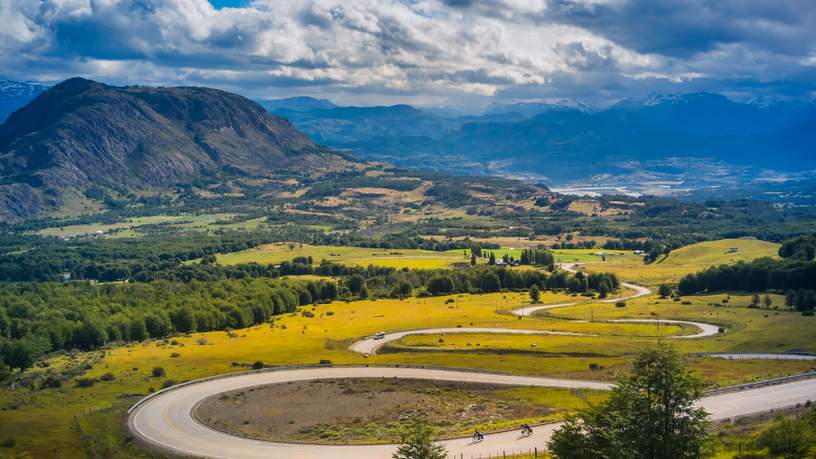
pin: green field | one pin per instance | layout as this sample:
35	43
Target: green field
298	339
131	227
356	256
688	259
574	255
398	258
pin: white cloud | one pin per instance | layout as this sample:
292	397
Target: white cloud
391	49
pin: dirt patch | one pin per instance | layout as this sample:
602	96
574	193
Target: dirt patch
370	410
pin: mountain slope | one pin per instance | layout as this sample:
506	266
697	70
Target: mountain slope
15	94
662	137
81	133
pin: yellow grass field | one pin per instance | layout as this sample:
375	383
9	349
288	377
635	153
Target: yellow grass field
55	414
296	339
356	256
687	260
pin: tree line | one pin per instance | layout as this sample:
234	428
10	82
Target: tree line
795	277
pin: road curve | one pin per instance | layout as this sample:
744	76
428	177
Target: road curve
370	345
167	421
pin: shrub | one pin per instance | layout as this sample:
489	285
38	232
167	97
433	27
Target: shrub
168	383
175	355
325	362
158	372
257	365
9	442
107	377
51	381
202	341
620	304
85	382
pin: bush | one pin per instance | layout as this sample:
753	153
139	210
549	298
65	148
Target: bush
158	372
107	377
175	355
9	442
620	304
325	362
168	383
51	381
85	382
258	365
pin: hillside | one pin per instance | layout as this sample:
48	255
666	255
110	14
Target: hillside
690	259
659	139
81	134
15	94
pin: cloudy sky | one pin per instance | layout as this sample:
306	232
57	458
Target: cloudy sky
426	52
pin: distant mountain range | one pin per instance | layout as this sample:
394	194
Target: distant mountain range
15	94
689	140
81	134
661	137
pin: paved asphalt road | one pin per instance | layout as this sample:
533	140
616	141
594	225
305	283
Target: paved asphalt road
167	421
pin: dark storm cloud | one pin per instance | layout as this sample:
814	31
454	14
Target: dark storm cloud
682	28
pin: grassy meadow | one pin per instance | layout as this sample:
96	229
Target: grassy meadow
687	260
66	419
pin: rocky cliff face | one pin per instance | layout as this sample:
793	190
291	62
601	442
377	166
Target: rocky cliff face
81	133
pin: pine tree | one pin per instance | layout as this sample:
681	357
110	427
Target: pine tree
416	442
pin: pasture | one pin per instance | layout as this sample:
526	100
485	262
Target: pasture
689	259
299	339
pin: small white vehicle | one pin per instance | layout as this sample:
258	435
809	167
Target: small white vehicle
379	335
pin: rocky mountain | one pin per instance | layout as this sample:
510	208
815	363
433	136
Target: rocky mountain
564	142
296	104
81	134
15	94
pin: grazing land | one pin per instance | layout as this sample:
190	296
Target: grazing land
370	410
689	259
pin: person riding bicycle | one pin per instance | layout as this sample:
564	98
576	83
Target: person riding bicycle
526	430
478	436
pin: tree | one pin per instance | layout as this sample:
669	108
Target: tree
473	259
416	442
755	300
664	290
19	354
768	302
89	335
489	282
790	299
184	320
138	330
603	290
650	414
440	285
535	293
355	283
787	438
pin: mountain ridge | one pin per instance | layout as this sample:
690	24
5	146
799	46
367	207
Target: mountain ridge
81	133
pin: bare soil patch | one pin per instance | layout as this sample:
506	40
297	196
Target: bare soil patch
346	411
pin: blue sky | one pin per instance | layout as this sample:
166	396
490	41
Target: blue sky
425	52
228	3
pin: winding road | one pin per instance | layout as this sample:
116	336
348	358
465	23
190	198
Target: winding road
166	420
371	344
